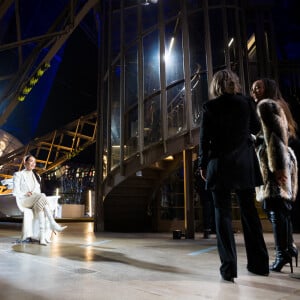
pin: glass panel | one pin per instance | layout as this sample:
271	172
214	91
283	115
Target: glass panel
131	132
197	42
171	8
115	115
131	102
199	96
105	158
151	64
252	57
131	77
152	110
268	44
194	4
217	40
174	55
231	2
149	16
214	2
130	25
131	2
251	43
115	4
115	36
176	109
172	197
233	41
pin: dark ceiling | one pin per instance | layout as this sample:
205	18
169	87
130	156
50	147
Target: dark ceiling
35	32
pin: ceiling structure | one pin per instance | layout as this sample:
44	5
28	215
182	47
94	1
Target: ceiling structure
32	34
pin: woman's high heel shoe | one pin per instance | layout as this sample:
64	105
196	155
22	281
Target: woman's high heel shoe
282	258
293	250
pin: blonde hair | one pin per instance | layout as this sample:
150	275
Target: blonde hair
218	84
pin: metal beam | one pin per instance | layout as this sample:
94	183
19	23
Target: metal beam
13	102
4	6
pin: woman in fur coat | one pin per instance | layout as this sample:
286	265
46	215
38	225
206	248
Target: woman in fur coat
278	166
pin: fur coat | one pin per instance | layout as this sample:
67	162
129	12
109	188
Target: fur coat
275	154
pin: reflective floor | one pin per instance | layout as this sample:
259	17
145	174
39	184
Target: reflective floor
80	264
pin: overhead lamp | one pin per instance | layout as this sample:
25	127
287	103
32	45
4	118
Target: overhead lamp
147	2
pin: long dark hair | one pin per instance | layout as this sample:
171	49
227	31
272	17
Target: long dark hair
37	176
272	91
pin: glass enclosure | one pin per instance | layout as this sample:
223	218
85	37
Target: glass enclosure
158	61
148	68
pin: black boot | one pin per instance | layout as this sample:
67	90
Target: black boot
280	231
282	258
292	248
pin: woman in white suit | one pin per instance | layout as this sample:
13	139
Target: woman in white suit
27	189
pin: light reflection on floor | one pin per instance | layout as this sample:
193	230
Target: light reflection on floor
81	264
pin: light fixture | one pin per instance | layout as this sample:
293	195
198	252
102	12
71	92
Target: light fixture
230	42
170	157
33	81
171	45
147	2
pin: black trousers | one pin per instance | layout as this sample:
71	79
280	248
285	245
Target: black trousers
256	250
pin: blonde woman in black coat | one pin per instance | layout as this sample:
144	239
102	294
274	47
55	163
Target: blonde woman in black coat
279	167
228	163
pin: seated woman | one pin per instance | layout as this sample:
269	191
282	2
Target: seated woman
27	189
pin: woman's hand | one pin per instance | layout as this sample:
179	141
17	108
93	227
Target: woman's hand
28	194
281	177
203	174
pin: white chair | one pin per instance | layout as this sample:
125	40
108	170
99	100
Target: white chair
30	226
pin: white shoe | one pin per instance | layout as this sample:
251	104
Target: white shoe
58	228
43	240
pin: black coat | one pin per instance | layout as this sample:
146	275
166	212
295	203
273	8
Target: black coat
226	146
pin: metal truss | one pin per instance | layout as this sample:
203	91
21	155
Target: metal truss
66	21
55	148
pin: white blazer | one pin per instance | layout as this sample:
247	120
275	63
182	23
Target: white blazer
21	186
